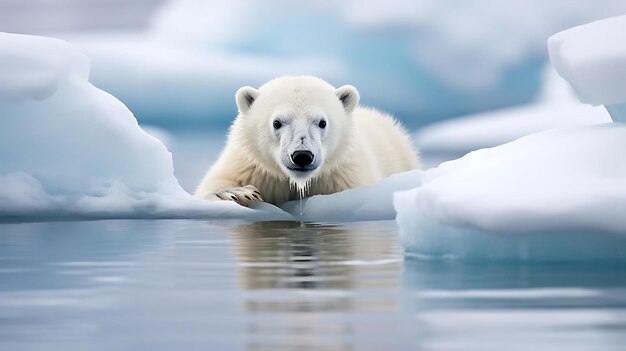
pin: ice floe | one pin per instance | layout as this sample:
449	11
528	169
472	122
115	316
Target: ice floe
555	195
592	58
68	149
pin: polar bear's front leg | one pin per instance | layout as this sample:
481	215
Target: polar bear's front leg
226	180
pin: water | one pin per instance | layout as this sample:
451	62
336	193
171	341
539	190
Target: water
196	285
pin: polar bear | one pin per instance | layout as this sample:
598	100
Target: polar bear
299	136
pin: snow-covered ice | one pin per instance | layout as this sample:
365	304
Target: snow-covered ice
558	195
69	149
368	203
556	107
592	58
555	195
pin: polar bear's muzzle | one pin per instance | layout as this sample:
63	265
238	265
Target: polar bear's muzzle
301	152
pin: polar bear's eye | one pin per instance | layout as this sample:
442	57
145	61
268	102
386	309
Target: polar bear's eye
277	124
322	124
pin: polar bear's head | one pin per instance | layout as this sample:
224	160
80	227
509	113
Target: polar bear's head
296	126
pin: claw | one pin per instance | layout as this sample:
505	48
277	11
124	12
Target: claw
245	196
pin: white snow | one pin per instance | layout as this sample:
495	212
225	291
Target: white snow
556	107
555	195
24	75
592	58
367	203
69	149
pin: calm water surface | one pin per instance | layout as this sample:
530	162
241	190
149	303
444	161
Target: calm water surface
195	285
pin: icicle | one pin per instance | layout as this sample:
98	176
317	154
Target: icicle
302	188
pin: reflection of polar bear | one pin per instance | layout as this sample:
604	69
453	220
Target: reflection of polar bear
299	134
284	255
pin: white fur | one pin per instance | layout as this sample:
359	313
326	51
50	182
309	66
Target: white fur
359	146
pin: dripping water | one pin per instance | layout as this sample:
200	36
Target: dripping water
301	196
301	189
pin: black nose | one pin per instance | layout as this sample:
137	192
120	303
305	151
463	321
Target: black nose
302	158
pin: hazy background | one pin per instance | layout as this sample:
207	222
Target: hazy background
45	16
177	63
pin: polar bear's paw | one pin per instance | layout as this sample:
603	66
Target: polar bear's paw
245	195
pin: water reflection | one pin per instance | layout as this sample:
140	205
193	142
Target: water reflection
162	285
451	275
304	280
517	306
291	255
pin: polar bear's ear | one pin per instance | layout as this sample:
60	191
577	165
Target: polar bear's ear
349	97
245	98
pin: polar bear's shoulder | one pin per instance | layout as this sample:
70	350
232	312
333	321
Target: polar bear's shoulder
383	137
367	116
